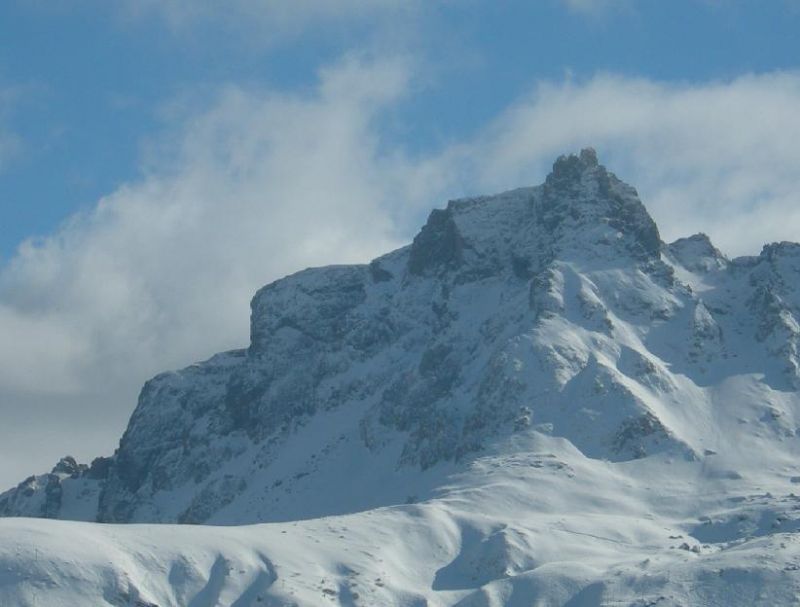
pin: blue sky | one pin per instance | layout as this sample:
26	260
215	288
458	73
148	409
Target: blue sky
87	84
160	160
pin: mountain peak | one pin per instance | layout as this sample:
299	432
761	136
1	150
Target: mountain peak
571	166
583	174
697	253
581	210
585	201
551	297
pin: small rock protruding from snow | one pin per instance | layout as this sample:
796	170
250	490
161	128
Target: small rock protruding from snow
697	254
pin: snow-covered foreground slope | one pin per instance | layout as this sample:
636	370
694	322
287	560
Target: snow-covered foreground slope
530	522
537	402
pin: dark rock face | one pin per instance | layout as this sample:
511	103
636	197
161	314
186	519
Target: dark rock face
68	465
438	246
99	468
53	493
378	273
580	193
318	307
568	170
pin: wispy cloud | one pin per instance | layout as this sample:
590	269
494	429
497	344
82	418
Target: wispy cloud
160	272
719	157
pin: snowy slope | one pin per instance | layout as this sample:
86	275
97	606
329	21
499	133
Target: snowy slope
531	522
537	402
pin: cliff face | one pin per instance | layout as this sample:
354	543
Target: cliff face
554	309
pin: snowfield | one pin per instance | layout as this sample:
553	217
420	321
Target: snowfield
533	523
536	403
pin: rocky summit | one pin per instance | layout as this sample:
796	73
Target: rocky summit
535	400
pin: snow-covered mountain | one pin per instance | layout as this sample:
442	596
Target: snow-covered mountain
537	402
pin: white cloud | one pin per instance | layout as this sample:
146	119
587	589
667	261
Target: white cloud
161	272
720	157
262	183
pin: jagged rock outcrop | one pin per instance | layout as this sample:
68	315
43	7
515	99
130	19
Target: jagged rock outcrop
556	308
43	496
